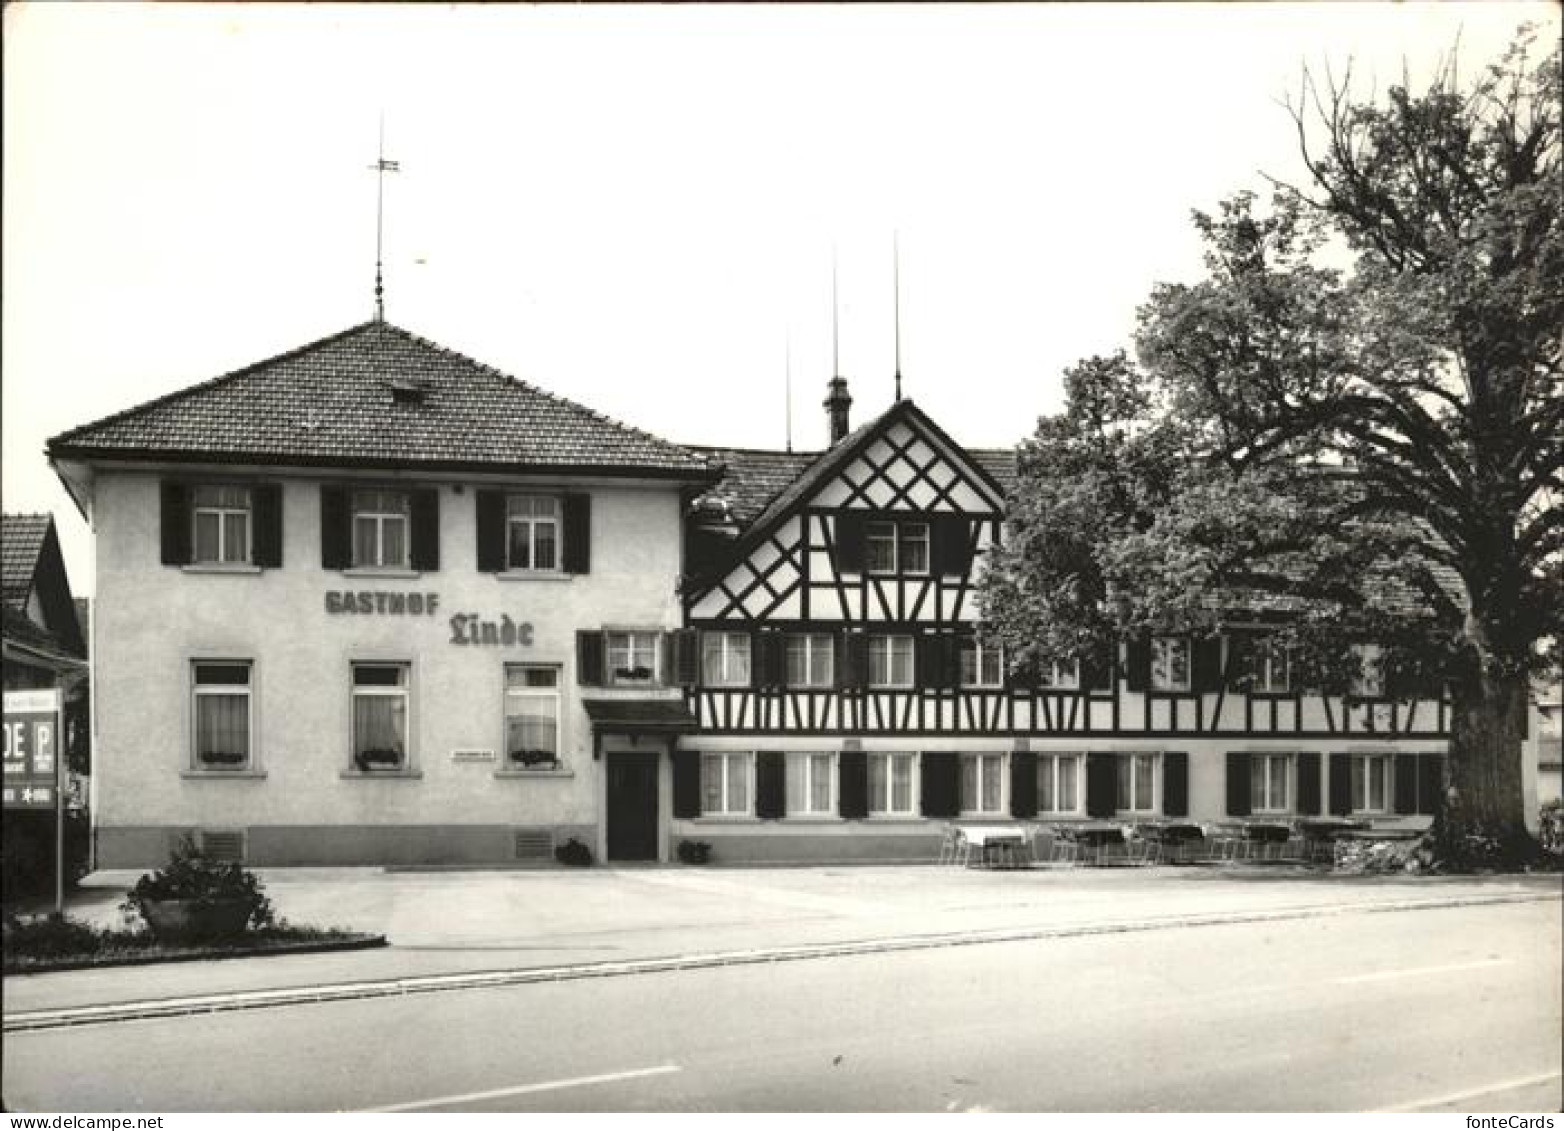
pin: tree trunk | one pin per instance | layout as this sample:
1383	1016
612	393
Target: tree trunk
1482	822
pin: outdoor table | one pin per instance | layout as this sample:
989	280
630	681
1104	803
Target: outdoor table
995	843
1097	838
1266	836
1171	836
1321	833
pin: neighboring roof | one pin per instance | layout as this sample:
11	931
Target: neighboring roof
376	395
1000	463
751	478
21	542
639	715
39	642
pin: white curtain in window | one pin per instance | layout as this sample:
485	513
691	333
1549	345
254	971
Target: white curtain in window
223	725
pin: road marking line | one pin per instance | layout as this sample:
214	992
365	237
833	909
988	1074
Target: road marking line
1457	1097
524	1089
1387	975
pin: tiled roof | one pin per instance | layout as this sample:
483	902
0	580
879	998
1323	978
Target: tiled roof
21	541
19	630
377	395
639	715
750	479
1000	463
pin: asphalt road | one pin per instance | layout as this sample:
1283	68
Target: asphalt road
1456	1009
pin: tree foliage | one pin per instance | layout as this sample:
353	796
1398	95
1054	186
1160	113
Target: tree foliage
1351	430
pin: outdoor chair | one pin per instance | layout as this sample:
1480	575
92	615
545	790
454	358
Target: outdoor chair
953	847
1063	848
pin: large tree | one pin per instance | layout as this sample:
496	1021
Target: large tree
1352	430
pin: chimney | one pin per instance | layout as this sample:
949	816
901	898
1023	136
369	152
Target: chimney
837	402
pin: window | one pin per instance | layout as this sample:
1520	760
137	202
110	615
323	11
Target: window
221	525
890	785
532	532
380	716
1137	782
1060	673
531	715
725	785
896	547
811	660
1057	778
1170	663
632	658
981	777
725	659
982	664
1268	778
890	661
220	691
1368	674
1371	783
380	530
811	778
1272	667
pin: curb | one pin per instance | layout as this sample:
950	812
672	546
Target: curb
437	983
198	954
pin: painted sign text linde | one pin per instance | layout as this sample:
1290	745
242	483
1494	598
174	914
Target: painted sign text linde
370	602
466	628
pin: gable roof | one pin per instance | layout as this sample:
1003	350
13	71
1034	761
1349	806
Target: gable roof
21	544
751	478
376	395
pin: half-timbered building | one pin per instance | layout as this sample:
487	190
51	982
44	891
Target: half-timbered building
848	707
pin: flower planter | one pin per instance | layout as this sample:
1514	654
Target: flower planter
185	919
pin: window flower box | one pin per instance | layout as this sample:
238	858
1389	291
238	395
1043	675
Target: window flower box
224	758
378	758
535	759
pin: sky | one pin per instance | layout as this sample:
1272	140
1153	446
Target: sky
639	208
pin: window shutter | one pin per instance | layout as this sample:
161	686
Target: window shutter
336	528
930	658
1102	785
686	783
849	537
768	666
1138	662
1023	784
770	784
1240	661
266	517
1096	669
1341	784
1406	783
1237	783
426	529
852	794
1309	784
577	557
1175	784
686	657
952	545
589	658
1207	662
941	784
1430	783
175	520
491	531
855	660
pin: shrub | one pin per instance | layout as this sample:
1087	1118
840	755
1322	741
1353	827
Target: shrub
1550	829
189	875
49	936
694	851
573	852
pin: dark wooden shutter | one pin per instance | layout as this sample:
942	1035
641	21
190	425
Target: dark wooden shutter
1207	663
1097	669
1175	784
1240	660
852	793
1341	784
1430	784
1237	783
1138	662
1102	784
855	659
1309	784
1406	783
770	658
770	784
849	537
686	783
941	783
577	556
266	511
175	519
336	528
1023	784
951	535
426	529
589	658
492	557
686	657
930	658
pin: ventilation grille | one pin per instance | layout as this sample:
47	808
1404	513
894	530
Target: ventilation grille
534	844
223	844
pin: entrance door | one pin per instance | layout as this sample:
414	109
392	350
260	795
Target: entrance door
632	806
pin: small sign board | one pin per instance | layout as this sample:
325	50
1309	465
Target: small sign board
472	755
32	749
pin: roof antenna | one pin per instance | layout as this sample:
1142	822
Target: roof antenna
896	290
788	355
836	365
381	167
